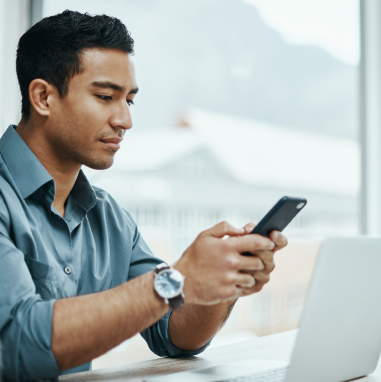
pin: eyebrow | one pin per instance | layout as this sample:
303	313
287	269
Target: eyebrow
134	91
111	85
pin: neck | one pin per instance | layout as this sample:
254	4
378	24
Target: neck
63	172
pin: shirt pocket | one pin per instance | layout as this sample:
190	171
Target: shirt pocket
44	278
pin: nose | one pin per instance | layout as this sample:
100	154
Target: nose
121	118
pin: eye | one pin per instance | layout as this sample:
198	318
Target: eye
104	98
130	102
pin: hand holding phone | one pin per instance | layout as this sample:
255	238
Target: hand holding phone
278	218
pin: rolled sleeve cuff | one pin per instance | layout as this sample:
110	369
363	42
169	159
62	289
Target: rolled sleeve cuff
159	341
31	346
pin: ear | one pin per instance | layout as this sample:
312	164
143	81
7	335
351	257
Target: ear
41	96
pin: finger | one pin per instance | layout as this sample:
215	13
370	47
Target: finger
267	258
239	292
249	227
222	229
261	277
279	239
245	281
260	280
250	263
252	243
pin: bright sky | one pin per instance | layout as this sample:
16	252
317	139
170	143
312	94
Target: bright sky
330	24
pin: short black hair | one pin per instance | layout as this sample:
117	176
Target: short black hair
51	48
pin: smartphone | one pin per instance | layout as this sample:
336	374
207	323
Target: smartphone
279	216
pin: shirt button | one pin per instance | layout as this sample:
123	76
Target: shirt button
67	270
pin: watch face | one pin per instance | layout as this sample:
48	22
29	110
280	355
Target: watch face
169	283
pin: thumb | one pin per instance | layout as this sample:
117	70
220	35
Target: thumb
224	228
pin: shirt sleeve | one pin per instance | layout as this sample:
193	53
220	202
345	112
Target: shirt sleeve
25	321
156	336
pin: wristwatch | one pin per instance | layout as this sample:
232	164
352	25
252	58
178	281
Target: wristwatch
169	284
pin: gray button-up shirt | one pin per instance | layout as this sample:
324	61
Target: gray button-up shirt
44	257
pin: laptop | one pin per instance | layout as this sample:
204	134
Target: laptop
340	330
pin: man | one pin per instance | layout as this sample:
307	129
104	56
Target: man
76	277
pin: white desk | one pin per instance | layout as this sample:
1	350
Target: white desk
274	347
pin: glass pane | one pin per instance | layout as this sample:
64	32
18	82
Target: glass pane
240	103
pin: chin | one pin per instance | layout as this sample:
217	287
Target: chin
100	163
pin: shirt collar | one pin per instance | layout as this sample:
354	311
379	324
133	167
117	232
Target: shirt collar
27	171
83	192
29	174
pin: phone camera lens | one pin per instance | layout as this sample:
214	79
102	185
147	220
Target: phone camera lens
300	205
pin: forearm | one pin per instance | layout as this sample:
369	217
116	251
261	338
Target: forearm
85	327
193	326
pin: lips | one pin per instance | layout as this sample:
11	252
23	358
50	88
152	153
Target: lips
112	142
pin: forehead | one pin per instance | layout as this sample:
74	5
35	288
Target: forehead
107	65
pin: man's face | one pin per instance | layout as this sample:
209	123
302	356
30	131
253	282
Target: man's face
90	121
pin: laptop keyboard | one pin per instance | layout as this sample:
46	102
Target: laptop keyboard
273	375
